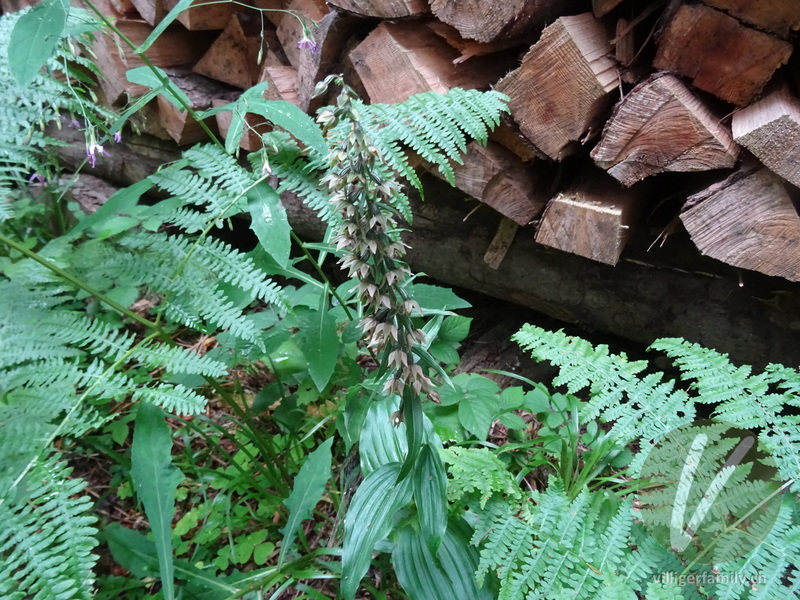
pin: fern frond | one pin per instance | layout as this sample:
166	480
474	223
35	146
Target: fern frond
46	537
640	408
477	473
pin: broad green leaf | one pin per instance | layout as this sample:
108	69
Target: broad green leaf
435	297
430	495
478	402
269	222
380	442
454	328
35	37
319	341
147	77
289	117
513	421
309	486
124	201
447	575
370	518
156	480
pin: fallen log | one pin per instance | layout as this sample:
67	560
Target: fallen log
669	291
663	126
562	90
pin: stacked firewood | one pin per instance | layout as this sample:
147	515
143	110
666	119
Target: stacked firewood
613	102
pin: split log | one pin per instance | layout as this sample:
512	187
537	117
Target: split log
770	129
603	7
282	83
383	9
205	17
400	59
748	221
254	127
662	126
777	16
719	54
562	90
497	178
201	91
756	324
486	21
291	30
233	58
469	48
593	219
152	11
175	48
273	10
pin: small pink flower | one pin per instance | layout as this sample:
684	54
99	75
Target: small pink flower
93	151
37	179
306	43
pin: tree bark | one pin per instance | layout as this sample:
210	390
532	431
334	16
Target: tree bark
487	21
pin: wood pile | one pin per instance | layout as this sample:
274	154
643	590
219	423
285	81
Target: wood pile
618	107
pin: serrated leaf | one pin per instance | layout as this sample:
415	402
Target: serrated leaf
370	518
447	575
454	328
36	35
269	222
309	485
430	495
156	480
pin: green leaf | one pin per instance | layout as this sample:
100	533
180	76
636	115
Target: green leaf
156	479
430	495
478	402
269	222
454	328
309	486
35	37
380	442
435	297
124	201
513	421
287	116
446	575
369	520
319	341
137	554
147	77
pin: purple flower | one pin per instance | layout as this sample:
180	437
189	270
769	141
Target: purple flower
93	151
118	137
306	43
37	179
